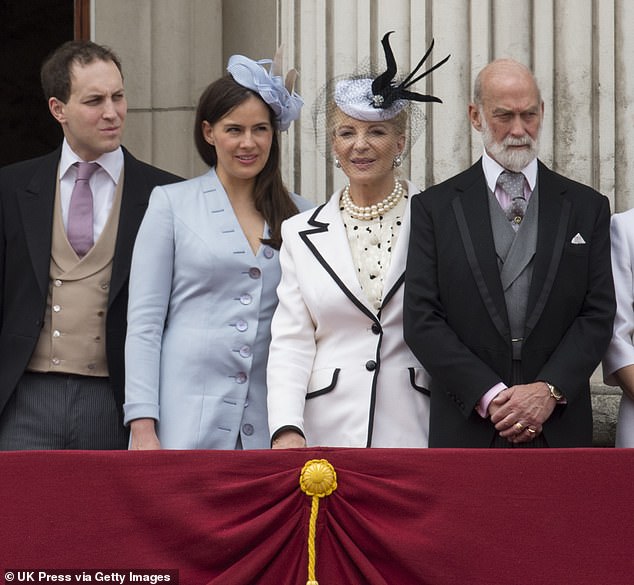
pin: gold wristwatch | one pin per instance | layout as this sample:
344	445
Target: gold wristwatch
556	393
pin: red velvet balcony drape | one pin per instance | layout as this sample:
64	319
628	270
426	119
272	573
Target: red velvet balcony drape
398	517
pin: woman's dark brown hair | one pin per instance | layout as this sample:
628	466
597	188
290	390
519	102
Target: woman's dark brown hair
272	198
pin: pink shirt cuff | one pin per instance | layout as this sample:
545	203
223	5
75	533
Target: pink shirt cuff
482	408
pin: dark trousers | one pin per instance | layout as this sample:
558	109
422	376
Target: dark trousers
61	411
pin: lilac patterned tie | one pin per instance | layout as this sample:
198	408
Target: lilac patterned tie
79	228
513	185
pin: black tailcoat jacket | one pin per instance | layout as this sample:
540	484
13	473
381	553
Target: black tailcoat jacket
27	197
455	317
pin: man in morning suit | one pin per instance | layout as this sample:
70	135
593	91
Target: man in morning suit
509	299
67	229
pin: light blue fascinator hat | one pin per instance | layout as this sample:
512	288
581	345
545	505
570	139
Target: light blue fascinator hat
278	93
383	98
373	94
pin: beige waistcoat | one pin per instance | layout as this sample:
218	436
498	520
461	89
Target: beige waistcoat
73	338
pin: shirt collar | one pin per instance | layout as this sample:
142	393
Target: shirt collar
492	170
111	162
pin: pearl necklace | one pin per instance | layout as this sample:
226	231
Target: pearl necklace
371	211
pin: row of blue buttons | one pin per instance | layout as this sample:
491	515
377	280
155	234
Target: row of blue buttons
241	325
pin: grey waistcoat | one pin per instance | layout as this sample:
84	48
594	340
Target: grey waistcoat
515	253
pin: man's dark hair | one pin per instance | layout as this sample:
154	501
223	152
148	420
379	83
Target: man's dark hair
55	74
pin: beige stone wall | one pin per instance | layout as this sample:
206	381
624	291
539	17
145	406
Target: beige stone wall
579	50
171	50
249	28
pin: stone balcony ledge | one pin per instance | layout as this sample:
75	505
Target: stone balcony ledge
605	408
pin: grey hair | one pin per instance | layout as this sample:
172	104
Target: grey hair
477	84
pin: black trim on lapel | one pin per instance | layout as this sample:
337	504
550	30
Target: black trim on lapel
477	239
37	208
375	377
554	213
392	291
321	227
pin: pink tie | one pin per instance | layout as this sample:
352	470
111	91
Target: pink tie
79	228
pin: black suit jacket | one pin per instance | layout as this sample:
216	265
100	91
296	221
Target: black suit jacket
27	196
455	316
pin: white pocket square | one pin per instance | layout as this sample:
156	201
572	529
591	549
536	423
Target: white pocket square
578	239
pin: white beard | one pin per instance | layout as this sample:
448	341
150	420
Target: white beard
510	158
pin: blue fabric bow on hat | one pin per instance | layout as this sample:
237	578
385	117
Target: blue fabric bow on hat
269	85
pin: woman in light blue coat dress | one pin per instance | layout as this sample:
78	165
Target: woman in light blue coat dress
204	275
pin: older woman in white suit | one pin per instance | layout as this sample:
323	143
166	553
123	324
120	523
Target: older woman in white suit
204	273
339	372
618	363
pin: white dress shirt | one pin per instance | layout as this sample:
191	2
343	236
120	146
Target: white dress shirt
492	171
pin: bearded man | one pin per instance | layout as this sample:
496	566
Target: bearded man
509	299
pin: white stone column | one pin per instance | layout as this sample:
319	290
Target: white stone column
579	50
624	101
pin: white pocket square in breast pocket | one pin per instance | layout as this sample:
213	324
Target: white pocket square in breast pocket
578	239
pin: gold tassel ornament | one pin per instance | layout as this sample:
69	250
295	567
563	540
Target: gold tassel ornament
318	479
